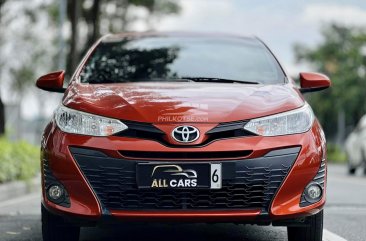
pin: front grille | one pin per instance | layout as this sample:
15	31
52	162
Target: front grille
185	155
149	132
247	184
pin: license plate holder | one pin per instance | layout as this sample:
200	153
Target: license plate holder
152	175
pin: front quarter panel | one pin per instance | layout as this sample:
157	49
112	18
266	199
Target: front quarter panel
83	201
287	200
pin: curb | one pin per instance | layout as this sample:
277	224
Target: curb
19	188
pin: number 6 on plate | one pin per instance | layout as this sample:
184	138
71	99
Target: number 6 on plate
216	176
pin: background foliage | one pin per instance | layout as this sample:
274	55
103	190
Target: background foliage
341	56
18	160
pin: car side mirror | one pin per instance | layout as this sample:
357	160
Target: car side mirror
52	82
311	82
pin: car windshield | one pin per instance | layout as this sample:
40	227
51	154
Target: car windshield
163	58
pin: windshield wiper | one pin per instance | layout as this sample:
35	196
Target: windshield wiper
217	80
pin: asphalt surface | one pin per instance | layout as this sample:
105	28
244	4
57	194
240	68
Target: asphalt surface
345	216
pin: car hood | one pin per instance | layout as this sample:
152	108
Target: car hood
182	102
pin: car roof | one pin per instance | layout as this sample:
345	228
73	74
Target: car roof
120	36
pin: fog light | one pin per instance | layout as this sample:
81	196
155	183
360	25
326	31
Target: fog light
313	192
56	192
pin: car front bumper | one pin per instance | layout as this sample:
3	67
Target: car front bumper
265	186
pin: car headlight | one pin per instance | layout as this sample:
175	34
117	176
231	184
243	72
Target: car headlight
77	122
291	122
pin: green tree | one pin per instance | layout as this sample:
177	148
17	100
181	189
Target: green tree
342	56
31	49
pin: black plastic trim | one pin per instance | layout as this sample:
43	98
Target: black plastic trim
140	126
228	126
148	131
280	152
186	155
89	152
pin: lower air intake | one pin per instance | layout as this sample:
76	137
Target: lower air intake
247	183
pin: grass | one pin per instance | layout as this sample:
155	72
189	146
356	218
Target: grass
19	160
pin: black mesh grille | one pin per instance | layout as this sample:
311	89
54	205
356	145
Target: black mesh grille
247	184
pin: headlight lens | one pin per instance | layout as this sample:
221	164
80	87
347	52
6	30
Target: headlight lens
77	122
287	123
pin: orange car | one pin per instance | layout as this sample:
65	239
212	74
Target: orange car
182	127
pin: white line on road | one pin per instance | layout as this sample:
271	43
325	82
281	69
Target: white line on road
21	199
329	236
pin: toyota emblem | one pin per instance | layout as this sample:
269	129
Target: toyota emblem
185	134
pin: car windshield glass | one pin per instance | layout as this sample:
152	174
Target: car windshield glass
174	58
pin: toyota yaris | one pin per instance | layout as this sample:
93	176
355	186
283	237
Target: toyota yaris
182	127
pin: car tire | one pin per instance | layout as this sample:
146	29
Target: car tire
313	232
364	162
55	228
351	170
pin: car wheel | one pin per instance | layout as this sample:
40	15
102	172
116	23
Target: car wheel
55	228
364	162
351	170
313	232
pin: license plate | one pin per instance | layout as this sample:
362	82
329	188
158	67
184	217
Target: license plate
179	175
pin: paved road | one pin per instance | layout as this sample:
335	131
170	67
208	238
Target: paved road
345	212
344	216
